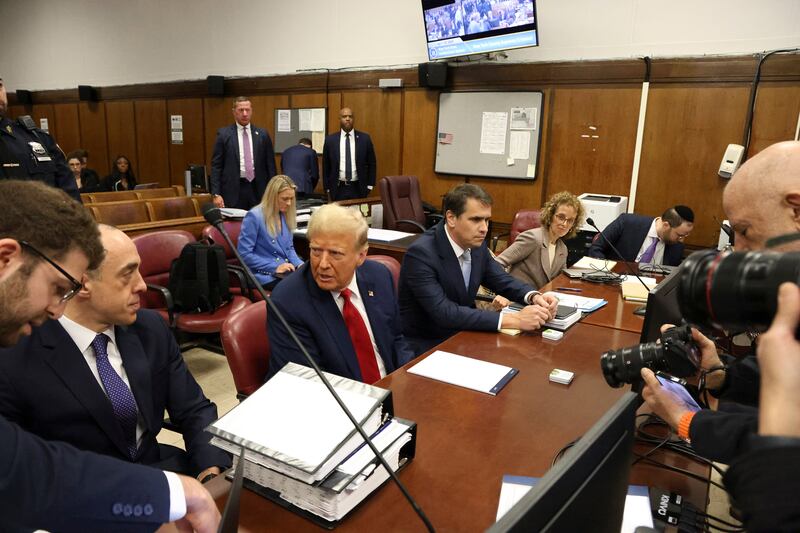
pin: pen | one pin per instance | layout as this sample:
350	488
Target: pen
568	289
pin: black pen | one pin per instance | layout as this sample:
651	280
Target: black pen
568	289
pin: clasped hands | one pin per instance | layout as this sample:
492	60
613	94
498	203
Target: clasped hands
531	317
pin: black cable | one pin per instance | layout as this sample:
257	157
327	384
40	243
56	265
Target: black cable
698	477
562	451
720	520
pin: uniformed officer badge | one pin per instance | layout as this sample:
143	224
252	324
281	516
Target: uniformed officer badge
39	151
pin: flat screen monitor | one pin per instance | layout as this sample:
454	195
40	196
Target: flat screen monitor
463	27
198	180
586	489
662	307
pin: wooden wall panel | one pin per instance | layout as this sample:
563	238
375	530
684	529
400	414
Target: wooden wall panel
217	114
582	159
121	132
379	113
69	130
152	141
776	115
93	134
334	105
687	131
193	150
305	100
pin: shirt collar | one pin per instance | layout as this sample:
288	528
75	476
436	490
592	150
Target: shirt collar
352	133
459	251
81	335
652	232
239	127
353	286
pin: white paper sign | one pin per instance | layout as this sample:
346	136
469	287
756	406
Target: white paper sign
493	132
284	120
519	145
304	117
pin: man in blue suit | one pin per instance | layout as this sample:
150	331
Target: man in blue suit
243	160
341	307
299	162
47	242
348	161
52	383
444	268
646	239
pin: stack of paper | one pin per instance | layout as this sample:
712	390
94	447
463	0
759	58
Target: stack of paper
386	235
474	374
592	263
634	291
565	317
582	303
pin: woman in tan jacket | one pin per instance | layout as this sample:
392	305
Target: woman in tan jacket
538	255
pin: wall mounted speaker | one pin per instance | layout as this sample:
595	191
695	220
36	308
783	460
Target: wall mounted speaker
24	97
433	75
87	93
216	85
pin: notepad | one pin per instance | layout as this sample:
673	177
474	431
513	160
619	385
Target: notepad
593	263
633	290
466	372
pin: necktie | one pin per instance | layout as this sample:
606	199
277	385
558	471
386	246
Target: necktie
120	396
249	172
348	164
648	254
361	342
466	266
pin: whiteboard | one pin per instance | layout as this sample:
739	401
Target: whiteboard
489	134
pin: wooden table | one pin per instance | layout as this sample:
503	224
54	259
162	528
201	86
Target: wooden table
467	440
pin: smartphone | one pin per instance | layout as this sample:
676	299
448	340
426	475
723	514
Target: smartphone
678	389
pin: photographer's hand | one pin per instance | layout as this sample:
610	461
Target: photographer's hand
709	358
779	360
662	401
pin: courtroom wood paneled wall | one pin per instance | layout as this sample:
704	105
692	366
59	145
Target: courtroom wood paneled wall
695	108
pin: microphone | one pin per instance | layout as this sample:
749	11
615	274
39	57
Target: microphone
630	269
213	216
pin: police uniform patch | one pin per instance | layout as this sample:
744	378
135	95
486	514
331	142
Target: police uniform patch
39	151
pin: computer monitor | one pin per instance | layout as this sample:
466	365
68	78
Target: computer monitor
584	491
662	307
196	180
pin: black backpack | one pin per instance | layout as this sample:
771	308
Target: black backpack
198	278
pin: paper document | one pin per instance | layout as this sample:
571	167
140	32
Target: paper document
384	437
519	146
386	235
633	290
233	212
304	119
284	120
592	263
523	118
580	302
493	133
318	120
467	372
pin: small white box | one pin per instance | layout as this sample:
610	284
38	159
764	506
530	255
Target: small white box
561	376
552	334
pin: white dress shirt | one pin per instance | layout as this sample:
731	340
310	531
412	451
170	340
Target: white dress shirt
240	131
658	256
83	337
342	150
358	303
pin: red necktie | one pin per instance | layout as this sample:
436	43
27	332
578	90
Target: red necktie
361	342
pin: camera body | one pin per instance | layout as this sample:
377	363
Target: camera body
674	353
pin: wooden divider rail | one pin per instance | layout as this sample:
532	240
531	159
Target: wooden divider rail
135	217
138	194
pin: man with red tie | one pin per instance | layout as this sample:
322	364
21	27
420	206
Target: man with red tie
342	307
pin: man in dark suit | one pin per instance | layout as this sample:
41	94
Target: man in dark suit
444	268
646	239
54	383
299	162
348	161
47	242
341	307
243	160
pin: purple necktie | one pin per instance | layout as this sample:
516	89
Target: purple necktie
248	156
648	254
121	397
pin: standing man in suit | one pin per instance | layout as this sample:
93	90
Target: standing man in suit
47	242
348	161
57	383
444	268
243	160
299	162
341	306
646	239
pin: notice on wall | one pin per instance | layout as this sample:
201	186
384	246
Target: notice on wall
318	119
519	145
304	117
44	125
284	120
493	132
523	118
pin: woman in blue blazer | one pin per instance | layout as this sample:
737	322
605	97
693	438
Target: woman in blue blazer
265	240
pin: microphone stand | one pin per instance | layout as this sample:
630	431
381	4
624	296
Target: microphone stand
642	308
214	217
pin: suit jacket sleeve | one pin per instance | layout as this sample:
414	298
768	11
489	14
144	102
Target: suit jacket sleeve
217	160
499	281
327	180
314	166
524	245
54	486
721	435
612	232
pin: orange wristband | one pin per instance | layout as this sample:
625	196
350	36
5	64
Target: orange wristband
683	425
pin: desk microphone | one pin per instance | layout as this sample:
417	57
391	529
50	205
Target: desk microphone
213	216
629	267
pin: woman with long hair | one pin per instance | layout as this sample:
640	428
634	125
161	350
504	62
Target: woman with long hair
538	255
265	240
86	182
122	177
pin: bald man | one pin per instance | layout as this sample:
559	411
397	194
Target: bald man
761	201
348	161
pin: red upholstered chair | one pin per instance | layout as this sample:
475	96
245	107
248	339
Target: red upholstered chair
246	345
402	204
391	263
157	250
524	220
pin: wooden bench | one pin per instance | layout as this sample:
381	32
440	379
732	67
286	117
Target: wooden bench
135	217
138	194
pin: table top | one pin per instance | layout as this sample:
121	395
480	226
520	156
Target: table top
467	441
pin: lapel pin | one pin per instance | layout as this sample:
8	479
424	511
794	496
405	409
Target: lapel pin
8	129
370	293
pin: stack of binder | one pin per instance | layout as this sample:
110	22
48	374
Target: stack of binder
301	450
565	317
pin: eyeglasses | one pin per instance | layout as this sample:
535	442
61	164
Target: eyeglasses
76	285
681	236
564	220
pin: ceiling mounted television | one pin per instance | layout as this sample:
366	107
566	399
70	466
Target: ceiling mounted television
463	27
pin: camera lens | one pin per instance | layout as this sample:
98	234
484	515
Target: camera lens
624	365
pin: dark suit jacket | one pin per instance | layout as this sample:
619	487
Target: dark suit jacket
225	171
47	387
315	318
90	181
627	233
365	162
300	163
434	304
721	435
